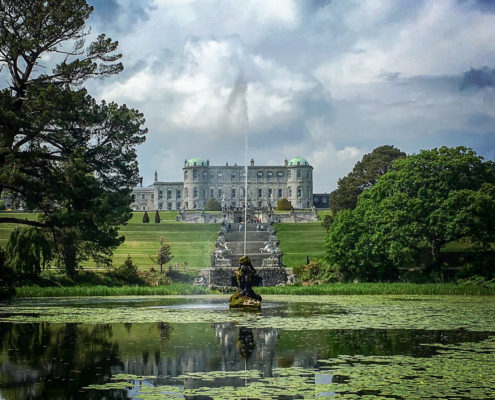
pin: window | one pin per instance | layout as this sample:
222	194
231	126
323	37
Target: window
232	194
152	196
308	175
169	194
220	175
259	204
289	192
270	193
243	193
260	192
259	175
212	175
220	194
289	173
280	193
195	175
205	175
299	191
160	206
280	175
160	194
233	176
324	200
177	194
299	174
169	206
195	192
143	196
269	175
242	175
212	192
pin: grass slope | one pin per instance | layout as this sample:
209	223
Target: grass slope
193	243
298	241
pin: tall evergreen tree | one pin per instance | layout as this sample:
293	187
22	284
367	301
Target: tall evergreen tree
61	151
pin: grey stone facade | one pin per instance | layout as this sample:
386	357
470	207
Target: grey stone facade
266	185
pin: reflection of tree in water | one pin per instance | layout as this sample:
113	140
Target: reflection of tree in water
54	361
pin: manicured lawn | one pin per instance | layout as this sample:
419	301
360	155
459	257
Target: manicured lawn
191	243
298	241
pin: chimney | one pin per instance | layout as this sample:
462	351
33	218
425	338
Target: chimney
185	162
207	163
252	162
156	176
140	181
286	162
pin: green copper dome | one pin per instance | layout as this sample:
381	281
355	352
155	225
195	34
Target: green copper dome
196	162
298	161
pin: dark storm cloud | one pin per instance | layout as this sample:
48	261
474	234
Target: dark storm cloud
478	78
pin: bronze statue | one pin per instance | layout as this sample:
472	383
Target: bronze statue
245	296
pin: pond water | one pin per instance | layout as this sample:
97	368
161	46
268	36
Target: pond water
337	347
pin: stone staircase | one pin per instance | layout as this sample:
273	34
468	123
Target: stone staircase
261	247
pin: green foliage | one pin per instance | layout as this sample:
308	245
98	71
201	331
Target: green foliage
318	271
423	202
212	205
328	220
28	251
283	205
2	205
127	272
62	151
6	278
363	176
146	218
157	217
164	254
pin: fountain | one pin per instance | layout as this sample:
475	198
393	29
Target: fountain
239	238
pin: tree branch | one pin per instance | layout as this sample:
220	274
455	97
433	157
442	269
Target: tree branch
12	220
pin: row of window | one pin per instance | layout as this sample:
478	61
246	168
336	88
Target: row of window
234	176
234	193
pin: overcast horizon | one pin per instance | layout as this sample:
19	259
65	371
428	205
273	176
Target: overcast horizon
325	80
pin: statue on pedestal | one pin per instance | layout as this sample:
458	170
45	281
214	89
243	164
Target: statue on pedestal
245	297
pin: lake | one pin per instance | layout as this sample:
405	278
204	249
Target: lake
336	347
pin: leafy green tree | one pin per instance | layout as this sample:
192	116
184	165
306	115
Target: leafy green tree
425	201
157	217
363	176
61	151
146	218
28	250
283	205
212	205
164	254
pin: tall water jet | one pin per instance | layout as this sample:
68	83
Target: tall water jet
238	102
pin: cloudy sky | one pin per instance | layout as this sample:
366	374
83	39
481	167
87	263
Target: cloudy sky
325	80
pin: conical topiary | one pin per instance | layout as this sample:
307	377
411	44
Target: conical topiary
157	217
146	218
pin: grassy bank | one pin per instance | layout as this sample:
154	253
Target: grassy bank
298	241
380	289
348	289
84	291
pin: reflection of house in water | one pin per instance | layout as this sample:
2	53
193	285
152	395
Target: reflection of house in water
247	348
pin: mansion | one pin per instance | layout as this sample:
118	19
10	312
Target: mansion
202	181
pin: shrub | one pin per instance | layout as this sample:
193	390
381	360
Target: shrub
154	278
212	205
157	217
283	205
146	218
318	271
127	272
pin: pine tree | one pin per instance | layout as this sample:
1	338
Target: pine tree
164	254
